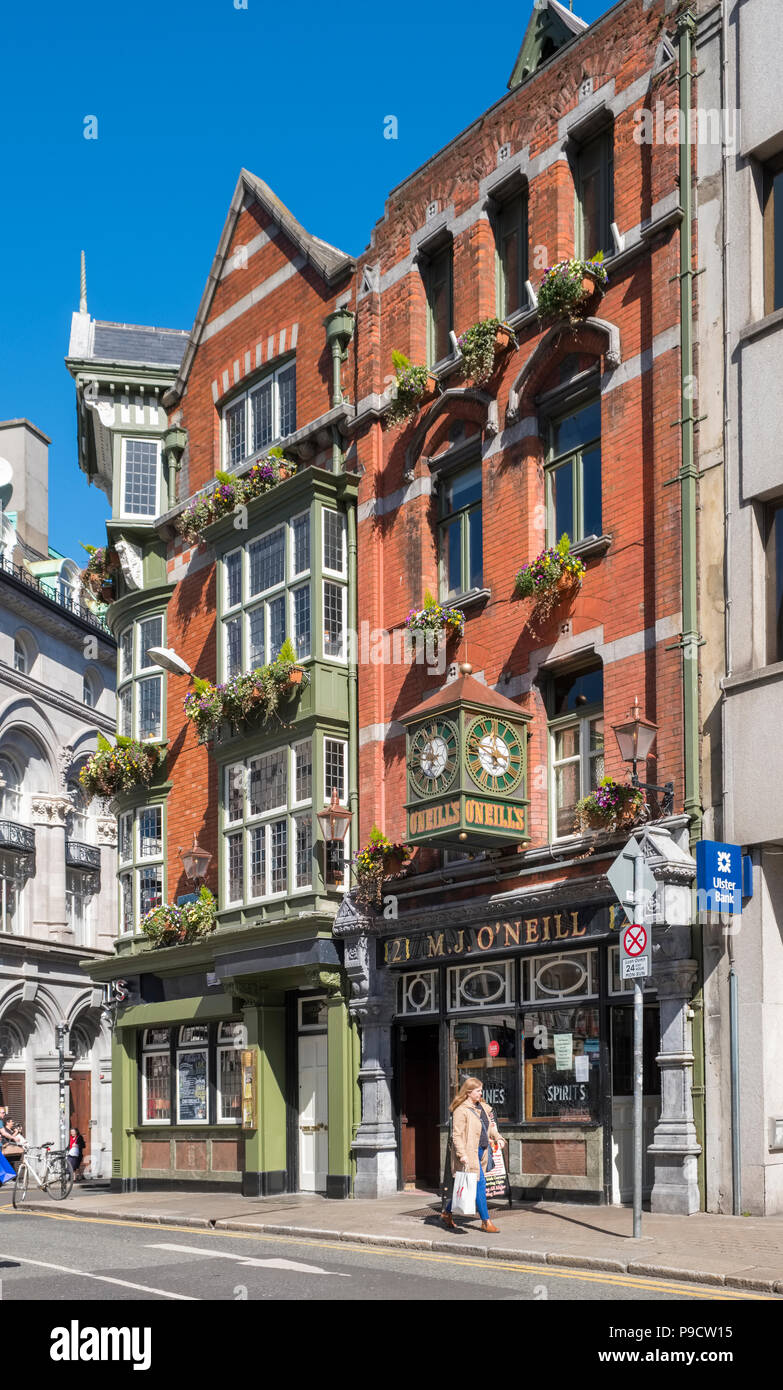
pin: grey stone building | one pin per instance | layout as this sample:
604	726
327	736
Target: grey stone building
57	854
739	159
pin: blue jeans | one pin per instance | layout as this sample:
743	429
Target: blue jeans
481	1192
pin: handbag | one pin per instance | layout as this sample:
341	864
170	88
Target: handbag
496	1178
463	1197
12	1150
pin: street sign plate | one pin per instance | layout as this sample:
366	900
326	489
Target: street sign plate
635	952
621	877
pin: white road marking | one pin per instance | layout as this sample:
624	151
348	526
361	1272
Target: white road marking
248	1260
102	1278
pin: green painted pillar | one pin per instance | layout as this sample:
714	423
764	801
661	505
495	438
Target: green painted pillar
340	1051
124	1109
265	1146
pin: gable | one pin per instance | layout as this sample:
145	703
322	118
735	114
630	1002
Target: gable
550	27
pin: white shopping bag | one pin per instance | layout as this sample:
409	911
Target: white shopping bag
463	1197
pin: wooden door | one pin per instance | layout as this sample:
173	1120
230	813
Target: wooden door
80	1110
313	1112
420	1107
12	1094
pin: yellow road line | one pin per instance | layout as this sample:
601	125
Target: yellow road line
552	1271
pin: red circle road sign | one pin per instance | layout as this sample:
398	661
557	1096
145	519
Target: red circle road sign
634	940
493	1049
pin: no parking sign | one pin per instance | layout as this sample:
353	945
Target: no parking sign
635	952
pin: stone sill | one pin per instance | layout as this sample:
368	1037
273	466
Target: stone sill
469	599
760	327
592	545
760	675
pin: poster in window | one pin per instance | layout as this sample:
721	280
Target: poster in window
192	1086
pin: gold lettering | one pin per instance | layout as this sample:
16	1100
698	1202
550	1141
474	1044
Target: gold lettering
511	933
576	930
559	935
435	944
428	819
531	931
545	924
485	944
460	947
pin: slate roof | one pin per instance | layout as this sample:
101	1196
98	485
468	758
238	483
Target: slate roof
131	342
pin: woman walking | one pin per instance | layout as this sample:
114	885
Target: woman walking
473	1127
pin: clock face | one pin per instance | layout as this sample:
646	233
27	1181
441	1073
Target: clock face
493	754
433	757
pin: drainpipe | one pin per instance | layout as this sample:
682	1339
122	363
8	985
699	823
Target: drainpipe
339	327
174	441
690	639
688	476
353	674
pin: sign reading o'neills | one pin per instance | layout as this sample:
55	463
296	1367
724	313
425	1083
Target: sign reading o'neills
548	929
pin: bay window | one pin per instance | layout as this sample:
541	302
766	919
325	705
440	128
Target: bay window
140	477
140	681
140	847
266	597
268	824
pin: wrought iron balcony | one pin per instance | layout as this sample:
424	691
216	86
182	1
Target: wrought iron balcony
81	856
20	838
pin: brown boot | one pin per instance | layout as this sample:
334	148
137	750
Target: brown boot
448	1221
488	1226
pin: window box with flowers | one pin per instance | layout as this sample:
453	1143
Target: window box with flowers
379	860
172	925
554	577
120	767
572	289
248	699
433	617
482	344
413	387
612	806
231	492
98	578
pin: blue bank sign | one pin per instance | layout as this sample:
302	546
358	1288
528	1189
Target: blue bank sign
719	877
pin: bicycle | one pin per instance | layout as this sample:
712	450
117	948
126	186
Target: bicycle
56	1176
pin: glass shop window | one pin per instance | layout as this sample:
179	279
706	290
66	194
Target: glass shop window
192	1076
572	975
487	1049
483	985
156	1076
231	1040
561	1067
417	992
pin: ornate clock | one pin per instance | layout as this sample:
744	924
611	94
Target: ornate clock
433	757
494	754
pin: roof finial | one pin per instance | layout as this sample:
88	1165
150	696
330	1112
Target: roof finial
83	287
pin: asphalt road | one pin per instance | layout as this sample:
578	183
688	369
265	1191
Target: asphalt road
63	1257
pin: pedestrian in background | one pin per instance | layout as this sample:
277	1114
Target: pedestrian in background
472	1128
75	1153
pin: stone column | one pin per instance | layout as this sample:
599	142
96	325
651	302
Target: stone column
372	1005
675	1147
49	917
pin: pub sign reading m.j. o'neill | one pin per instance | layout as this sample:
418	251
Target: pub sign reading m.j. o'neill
719	877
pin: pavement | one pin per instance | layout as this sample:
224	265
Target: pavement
732	1252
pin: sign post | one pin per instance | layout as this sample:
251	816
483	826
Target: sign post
634	884
62	1029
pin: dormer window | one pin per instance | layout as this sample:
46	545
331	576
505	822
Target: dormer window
253	421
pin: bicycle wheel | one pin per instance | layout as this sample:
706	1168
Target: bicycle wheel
20	1186
59	1181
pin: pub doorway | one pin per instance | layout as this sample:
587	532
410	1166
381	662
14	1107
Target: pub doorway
622	1098
420	1106
80	1112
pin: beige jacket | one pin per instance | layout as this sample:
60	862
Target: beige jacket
465	1136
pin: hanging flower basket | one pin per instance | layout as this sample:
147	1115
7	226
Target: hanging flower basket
553	578
482	344
572	289
414	387
251	698
232	492
380	859
433	617
171	925
612	806
119	768
97	579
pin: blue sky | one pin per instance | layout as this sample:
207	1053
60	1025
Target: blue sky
185	94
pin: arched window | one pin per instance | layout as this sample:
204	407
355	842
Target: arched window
67	590
20	656
11	1044
88	690
78	822
79	1044
10	794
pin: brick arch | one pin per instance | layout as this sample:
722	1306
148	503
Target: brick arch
483	411
597	337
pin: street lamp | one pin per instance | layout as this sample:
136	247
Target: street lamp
195	861
635	740
334	822
170	660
